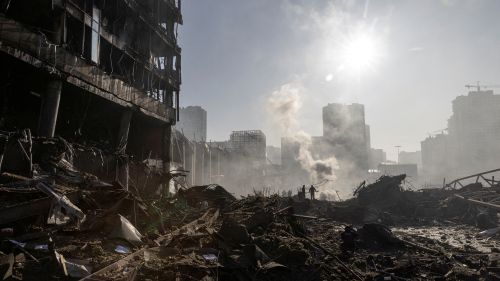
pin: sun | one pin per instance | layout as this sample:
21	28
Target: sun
359	52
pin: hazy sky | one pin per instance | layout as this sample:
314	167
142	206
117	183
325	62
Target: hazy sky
236	53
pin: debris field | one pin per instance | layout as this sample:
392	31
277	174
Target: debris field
57	223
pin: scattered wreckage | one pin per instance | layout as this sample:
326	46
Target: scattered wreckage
57	223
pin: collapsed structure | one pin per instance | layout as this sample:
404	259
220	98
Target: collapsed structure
101	74
80	228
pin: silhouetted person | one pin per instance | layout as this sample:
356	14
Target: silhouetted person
304	190
312	190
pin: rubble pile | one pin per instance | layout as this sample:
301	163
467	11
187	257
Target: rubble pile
255	238
265	238
58	223
53	217
386	201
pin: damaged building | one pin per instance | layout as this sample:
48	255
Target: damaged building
198	162
104	74
239	164
470	145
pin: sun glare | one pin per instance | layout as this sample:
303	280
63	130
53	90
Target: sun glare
359	53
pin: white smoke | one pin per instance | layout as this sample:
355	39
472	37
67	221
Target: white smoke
283	106
320	170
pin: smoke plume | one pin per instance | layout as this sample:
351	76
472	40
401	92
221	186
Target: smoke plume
283	106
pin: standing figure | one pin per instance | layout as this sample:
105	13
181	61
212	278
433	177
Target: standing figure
312	190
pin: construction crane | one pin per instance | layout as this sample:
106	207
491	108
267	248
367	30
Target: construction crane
478	86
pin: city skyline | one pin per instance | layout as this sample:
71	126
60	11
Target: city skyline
447	50
394	151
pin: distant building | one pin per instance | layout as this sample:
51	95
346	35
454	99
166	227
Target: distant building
193	123
273	154
435	158
289	153
414	157
472	143
294	175
250	144
345	131
244	162
474	130
320	148
368	140
377	156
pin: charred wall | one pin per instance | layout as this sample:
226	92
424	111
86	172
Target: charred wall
104	74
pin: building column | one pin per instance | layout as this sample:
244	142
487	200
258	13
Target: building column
122	168
50	108
166	155
167	148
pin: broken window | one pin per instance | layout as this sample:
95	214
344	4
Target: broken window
159	62
161	95
174	63
96	16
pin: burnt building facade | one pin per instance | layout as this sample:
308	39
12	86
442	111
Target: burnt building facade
100	73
